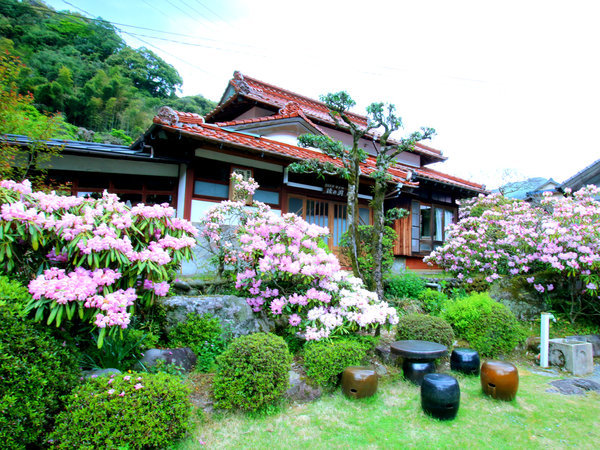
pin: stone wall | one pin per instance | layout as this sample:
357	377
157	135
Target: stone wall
235	314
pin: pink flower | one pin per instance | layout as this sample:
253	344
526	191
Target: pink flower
138	386
126	378
294	320
110	391
122	394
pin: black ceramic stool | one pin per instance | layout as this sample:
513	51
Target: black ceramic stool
359	382
440	396
465	360
418	357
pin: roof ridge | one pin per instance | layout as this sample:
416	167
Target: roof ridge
452	177
317	102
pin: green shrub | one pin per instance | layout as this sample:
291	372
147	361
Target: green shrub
409	284
136	410
422	327
490	327
203	334
433	301
35	372
324	361
13	294
252	373
121	351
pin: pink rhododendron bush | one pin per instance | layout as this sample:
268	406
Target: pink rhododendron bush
90	258
555	246
284	272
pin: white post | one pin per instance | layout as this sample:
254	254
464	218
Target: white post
544	337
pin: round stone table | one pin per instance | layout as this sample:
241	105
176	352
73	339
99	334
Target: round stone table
418	358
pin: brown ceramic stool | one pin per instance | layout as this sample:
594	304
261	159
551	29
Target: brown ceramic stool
499	379
359	382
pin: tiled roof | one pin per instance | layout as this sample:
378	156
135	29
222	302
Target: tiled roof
260	91
434	175
280	116
214	133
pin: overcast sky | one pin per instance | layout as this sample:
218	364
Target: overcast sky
510	86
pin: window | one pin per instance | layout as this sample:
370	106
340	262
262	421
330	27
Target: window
131	189
324	213
428	224
213	181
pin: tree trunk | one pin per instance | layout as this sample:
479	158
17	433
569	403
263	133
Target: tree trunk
378	233
353	220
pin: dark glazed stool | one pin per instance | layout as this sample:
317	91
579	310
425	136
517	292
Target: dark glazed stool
359	382
418	357
440	396
499	379
465	360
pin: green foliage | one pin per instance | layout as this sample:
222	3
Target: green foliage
490	327
252	373
121	351
13	295
84	69
422	327
19	116
406	285
161	366
365	258
433	301
395	214
203	334
324	361
112	413
35	372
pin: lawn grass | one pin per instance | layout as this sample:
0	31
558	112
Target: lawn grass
393	418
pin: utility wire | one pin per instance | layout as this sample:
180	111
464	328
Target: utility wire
214	13
161	12
117	24
146	42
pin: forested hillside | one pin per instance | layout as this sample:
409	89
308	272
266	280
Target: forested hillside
81	67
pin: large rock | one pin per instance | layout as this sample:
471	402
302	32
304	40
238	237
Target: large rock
574	386
299	390
514	293
182	357
235	314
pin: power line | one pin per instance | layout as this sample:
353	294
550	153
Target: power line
118	24
210	10
145	42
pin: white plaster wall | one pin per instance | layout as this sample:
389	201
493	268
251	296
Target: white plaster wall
254	113
181	200
105	165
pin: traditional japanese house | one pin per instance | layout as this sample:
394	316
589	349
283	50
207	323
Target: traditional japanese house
186	160
254	131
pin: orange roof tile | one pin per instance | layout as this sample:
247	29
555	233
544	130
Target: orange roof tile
213	132
267	93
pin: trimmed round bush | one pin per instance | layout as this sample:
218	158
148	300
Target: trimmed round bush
433	301
407	285
490	327
35	372
253	372
133	410
203	334
13	294
422	327
324	361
